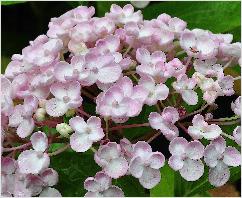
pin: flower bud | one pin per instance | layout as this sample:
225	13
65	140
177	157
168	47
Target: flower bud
208	116
40	114
64	129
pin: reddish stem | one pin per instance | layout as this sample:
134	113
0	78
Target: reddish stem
17	147
82	112
129	126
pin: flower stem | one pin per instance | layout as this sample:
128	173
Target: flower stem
17	147
237	78
225	123
59	150
153	137
85	93
228	136
83	113
107	127
195	112
129	126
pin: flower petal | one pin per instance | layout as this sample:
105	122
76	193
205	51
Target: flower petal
113	191
194	150
150	178
80	142
232	156
78	124
116	168
157	160
178	146
50	192
176	162
39	141
192	170
136	167
49	176
55	107
25	128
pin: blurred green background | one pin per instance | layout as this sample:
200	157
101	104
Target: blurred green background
24	21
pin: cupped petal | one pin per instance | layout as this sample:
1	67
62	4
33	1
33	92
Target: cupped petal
170	114
155	120
212	132
25	128
178	146
211	155
31	161
157	160
176	162
143	55
78	124
49	176
192	170
55	107
150	178
63	70
113	191
80	142
232	156
195	150
136	167
39	141
116	167
190	97
109	74
8	165
142	149
219	175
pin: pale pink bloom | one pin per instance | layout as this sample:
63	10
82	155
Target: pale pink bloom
202	129
101	186
43	51
186	157
122	99
174	68
237	135
110	158
145	164
74	71
219	157
208	67
83	32
21	117
103	26
86	133
198	44
226	84
230	50
21	86
124	15
165	122
210	88
185	86
102	68
151	64
35	161
67	96
156	91
175	25
236	106
6	96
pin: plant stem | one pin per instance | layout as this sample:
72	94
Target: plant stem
195	112
83	113
237	78
127	50
107	127
183	128
129	126
228	136
225	123
225	119
154	137
59	150
88	95
17	147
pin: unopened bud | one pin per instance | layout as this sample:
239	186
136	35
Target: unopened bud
40	114
208	116
42	103
70	113
64	129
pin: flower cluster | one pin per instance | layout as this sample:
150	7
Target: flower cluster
121	64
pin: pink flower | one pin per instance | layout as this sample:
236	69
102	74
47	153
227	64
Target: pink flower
185	86
202	129
199	44
165	122
34	161
218	157
151	64
67	96
236	105
237	135
110	158
156	91
86	133
186	158
124	15
101	186
7	96
122	99
208	67
174	68
145	165
226	84
175	25
21	117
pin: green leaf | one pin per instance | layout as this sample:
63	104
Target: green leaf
11	2
166	186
